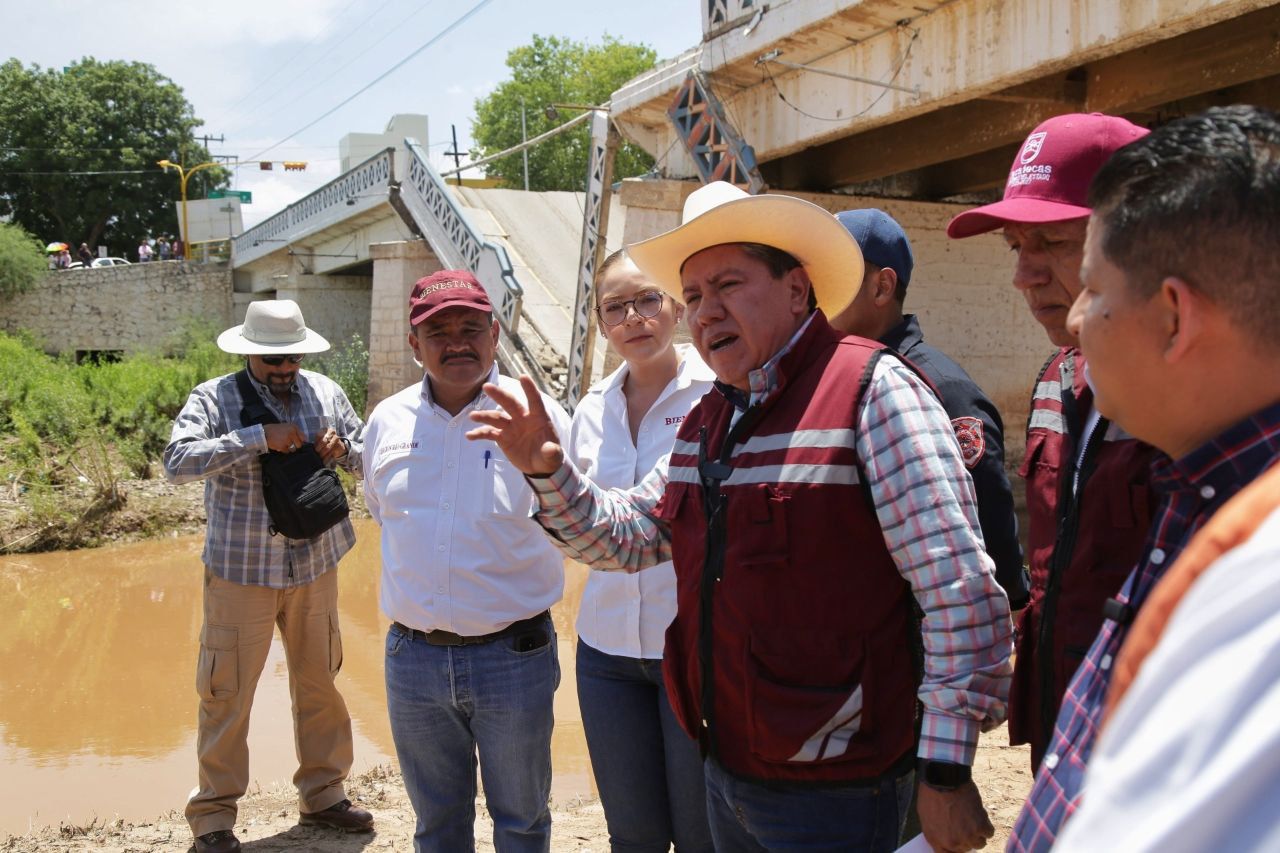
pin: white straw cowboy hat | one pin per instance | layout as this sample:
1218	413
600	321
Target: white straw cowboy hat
272	326
721	213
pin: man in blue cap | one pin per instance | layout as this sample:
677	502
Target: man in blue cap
876	313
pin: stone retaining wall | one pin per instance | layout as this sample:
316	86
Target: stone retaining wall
124	308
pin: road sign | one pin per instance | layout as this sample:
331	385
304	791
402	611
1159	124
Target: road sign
245	196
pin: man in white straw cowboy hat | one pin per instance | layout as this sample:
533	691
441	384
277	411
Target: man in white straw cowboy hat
256	580
812	500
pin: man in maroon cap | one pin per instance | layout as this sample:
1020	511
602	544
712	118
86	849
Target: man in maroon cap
467	581
1088	497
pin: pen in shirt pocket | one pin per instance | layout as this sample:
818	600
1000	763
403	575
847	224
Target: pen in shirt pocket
487	454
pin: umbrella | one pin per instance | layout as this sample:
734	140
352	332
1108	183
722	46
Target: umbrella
55	247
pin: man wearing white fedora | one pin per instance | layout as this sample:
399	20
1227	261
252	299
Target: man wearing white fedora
256	580
812	501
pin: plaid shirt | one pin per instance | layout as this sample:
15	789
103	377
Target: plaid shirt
1192	489
925	504
209	442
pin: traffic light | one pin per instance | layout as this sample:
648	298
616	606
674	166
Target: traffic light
264	165
295	165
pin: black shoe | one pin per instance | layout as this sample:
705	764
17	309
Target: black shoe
341	815
218	841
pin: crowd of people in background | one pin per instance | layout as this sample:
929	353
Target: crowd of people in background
161	248
806	572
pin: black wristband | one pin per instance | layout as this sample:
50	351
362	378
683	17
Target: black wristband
943	775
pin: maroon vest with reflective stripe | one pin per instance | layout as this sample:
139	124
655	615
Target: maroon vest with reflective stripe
1081	547
787	594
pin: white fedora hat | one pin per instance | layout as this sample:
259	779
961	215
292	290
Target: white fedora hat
272	326
721	213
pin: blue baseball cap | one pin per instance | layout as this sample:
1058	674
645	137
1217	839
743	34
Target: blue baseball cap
882	240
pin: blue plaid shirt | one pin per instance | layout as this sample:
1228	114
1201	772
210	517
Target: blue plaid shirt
1192	489
209	442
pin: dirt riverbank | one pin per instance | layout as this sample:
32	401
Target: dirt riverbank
144	509
269	819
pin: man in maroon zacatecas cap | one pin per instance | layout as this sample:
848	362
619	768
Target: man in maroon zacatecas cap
1088	498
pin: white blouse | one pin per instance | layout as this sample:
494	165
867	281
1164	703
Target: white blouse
628	614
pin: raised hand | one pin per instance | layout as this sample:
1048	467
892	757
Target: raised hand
524	433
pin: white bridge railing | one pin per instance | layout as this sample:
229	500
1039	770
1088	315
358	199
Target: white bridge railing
457	243
364	187
426	203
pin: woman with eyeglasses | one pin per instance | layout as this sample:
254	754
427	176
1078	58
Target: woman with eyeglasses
647	769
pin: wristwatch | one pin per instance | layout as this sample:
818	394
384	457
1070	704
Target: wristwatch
943	775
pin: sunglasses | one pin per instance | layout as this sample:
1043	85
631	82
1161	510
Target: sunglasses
646	305
277	360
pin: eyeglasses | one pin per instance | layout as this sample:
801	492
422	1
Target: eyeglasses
277	360
646	305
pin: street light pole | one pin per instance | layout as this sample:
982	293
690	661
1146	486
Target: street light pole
183	175
524	137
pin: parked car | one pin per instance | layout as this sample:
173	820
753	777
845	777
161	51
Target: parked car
101	262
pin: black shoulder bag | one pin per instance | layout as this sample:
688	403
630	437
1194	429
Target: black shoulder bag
303	496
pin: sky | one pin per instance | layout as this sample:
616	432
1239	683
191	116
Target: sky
260	71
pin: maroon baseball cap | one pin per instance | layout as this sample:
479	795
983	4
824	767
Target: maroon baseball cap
446	289
1049	179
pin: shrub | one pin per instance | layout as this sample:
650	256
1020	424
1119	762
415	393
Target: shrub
348	365
22	261
52	409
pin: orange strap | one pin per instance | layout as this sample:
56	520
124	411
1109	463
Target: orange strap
1230	526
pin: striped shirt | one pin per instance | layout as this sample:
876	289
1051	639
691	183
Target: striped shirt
210	442
1191	488
926	507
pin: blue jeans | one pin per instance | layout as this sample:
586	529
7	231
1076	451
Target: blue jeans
447	703
647	769
747	817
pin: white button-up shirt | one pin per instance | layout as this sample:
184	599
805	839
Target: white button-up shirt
628	614
459	550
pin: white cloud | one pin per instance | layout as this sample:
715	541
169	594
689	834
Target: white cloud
129	25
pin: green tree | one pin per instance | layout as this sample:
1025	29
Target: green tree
22	263
112	120
552	70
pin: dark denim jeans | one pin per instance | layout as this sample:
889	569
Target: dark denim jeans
647	769
449	702
750	818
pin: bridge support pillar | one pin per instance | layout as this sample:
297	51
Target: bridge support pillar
396	267
336	306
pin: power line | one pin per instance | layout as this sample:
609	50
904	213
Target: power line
395	28
310	42
461	20
915	34
63	149
103	172
304	72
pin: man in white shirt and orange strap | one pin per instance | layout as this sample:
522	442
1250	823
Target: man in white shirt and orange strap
467	580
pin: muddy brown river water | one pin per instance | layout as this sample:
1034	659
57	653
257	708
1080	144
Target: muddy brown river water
97	695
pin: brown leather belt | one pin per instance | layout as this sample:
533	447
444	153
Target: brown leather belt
448	638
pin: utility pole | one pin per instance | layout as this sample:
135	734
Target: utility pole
456	155
204	140
524	138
